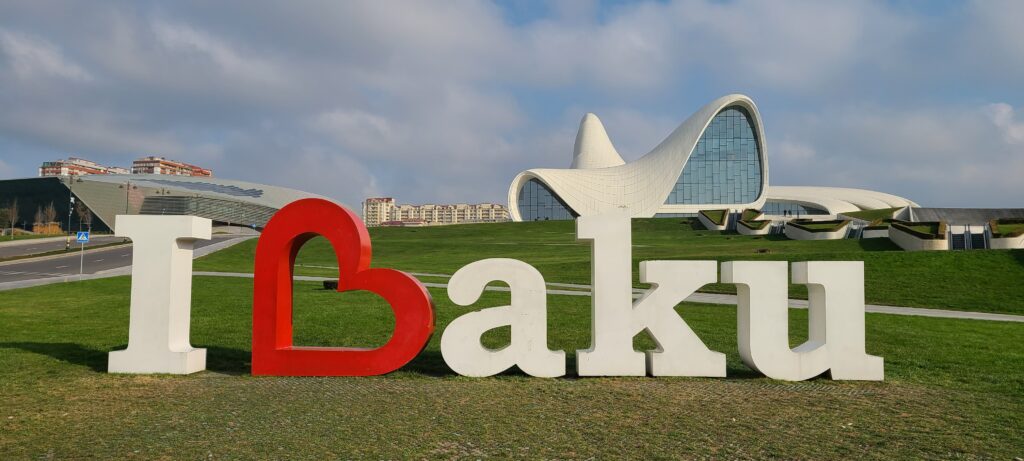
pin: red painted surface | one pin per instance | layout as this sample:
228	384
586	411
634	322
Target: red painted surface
272	350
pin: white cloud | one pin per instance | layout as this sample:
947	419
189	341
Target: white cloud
87	131
35	58
448	100
187	40
934	156
358	131
1004	117
792	152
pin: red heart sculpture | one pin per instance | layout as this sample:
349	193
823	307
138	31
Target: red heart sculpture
272	349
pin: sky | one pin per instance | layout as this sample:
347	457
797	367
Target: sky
443	102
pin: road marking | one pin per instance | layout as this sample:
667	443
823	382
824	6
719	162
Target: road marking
97	260
126	255
61	267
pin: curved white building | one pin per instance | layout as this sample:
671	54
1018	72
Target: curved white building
716	159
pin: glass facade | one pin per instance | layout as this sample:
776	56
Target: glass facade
789	208
538	203
725	165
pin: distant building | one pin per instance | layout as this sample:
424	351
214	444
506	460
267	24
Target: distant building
75	167
160	165
378	210
225	202
382	211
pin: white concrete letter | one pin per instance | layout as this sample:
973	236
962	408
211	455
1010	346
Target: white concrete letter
527	315
680	352
835	319
616	320
158	331
835	292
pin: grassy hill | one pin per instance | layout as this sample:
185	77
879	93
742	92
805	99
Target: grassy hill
952	387
973	280
952	390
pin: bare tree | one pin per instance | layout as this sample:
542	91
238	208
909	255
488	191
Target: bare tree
84	214
39	216
12	215
50	214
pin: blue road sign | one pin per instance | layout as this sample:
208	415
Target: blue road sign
83	237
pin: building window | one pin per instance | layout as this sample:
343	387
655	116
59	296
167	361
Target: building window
725	165
538	203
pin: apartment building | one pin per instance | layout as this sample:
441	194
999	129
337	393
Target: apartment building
161	165
378	210
74	166
383	211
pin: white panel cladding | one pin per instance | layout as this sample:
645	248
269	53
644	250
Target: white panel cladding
641	187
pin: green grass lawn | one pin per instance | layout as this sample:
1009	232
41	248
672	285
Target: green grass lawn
976	281
872	215
716	216
953	390
1009	229
924	228
750	214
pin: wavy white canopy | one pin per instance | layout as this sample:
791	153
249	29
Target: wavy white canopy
835	200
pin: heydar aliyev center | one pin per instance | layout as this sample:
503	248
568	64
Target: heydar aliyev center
717	159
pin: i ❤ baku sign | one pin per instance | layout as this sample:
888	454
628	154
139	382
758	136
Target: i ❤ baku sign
162	282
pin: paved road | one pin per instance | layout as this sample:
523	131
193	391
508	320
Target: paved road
63	266
30	247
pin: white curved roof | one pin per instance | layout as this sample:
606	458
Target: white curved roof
835	200
600	181
593	149
228	189
642	186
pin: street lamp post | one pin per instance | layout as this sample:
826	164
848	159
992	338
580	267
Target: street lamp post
71	201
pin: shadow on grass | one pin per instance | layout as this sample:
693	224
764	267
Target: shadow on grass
75	354
878	244
228	360
1018	255
429	363
238	362
220	359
